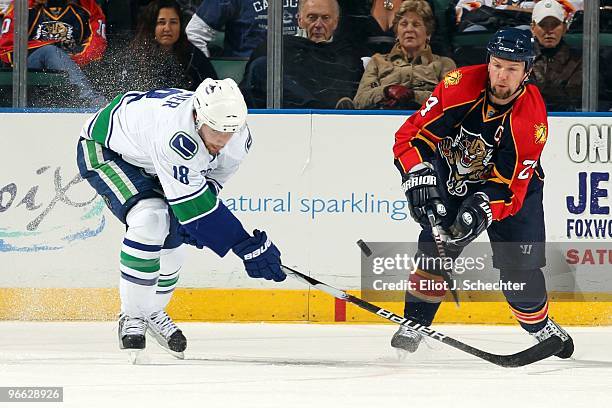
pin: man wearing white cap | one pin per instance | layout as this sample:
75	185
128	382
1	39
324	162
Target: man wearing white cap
557	70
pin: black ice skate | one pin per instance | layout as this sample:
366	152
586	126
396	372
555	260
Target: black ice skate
406	339
167	334
132	335
553	329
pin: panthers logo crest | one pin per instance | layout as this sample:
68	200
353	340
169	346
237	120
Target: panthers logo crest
540	133
468	157
55	31
452	78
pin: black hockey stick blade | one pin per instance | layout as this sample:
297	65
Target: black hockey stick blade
540	351
531	355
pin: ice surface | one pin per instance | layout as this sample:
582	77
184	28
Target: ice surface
300	365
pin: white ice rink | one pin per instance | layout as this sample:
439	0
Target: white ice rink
300	365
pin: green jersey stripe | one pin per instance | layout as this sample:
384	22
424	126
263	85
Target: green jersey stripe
124	178
139	264
100	131
112	175
116	180
197	207
93	157
92	154
164	283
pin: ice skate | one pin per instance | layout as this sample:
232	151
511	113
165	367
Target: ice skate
405	340
167	334
132	335
553	329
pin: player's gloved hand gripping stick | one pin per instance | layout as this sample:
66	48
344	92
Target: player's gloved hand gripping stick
420	186
261	257
538	352
473	218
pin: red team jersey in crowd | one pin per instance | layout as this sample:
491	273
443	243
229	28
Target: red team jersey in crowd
476	145
78	28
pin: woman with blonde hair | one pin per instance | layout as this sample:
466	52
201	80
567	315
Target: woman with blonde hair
405	77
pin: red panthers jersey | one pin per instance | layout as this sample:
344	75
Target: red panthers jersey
476	145
78	28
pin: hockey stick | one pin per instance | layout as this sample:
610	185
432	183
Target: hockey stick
446	275
540	351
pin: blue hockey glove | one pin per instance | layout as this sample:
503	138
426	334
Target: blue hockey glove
474	217
420	186
261	257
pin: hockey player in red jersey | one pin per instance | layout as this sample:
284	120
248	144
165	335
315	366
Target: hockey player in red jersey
63	35
77	27
471	157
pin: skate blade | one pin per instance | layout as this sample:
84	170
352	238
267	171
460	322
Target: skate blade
176	354
133	356
401	354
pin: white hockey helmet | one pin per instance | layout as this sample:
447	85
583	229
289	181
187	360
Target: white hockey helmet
220	105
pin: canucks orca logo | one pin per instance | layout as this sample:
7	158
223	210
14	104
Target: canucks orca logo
468	157
184	145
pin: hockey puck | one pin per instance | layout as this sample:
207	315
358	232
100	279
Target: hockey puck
364	248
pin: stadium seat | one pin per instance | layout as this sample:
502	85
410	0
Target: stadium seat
230	67
45	89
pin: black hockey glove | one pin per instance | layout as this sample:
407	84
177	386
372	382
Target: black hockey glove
261	257
474	216
420	185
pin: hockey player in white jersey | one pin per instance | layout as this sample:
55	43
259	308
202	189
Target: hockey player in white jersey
159	160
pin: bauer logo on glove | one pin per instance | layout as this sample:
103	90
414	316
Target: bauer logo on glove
261	257
258	251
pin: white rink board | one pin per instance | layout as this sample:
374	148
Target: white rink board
298	162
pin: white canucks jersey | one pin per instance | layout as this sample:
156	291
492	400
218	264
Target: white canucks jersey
156	131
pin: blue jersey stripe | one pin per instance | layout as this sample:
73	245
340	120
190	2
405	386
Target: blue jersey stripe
141	247
172	200
138	281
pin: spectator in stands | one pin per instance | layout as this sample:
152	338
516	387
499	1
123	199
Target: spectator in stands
557	69
3	7
245	23
318	69
370	24
64	35
160	55
189	7
405	77
489	15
